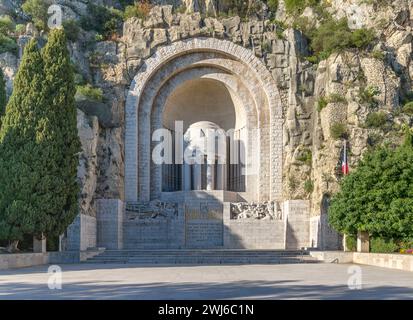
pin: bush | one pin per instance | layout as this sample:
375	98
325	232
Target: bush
408	108
37	9
20	29
380	245
376	120
72	30
308	186
103	20
336	98
376	196
368	95
8	44
6	25
332	98
378	54
338	131
139	10
335	35
296	7
306	156
361	38
95	94
351	242
272	6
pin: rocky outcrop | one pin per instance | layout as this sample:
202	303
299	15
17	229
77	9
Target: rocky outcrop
88	129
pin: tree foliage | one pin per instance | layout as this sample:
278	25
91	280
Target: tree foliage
3	95
39	145
20	198
377	196
37	9
59	133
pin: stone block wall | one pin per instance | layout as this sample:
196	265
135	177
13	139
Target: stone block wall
81	234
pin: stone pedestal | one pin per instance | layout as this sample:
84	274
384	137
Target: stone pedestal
297	224
39	245
363	241
110	223
81	234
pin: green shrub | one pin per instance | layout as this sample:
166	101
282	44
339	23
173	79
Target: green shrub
336	98
272	6
103	20
8	44
332	98
380	245
361	38
95	94
408	108
338	131
335	35
376	120
6	25
308	186
378	54
374	139
351	242
306	156
72	30
368	95
296	7
20	28
90	92
37	10
139	10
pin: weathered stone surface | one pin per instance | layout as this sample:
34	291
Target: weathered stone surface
88	129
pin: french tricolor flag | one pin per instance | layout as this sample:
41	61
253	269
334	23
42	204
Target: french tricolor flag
344	160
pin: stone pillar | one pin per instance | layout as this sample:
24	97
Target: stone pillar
39	245
345	248
110	223
197	175
220	177
363	241
210	177
186	179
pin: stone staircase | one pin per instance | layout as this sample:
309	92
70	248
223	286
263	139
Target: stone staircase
201	257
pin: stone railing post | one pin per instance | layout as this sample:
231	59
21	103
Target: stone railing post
39	245
363	241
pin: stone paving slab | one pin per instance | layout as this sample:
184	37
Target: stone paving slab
298	281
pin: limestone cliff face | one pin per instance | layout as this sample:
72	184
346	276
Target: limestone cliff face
311	153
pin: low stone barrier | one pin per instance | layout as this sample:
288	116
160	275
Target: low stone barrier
23	260
385	260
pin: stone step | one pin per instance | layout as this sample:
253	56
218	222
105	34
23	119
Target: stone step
205	256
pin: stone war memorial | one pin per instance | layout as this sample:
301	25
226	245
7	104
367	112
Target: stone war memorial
186	88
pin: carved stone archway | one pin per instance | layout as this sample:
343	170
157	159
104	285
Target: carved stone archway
164	69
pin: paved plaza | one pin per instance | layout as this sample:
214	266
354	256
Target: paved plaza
295	281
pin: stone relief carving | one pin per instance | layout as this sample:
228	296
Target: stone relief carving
152	210
269	210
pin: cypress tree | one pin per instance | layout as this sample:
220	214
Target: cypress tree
59	135
3	96
19	151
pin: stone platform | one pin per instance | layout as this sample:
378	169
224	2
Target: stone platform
194	220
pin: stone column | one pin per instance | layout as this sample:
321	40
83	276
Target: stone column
220	177
197	175
39	245
363	241
186	179
210	177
